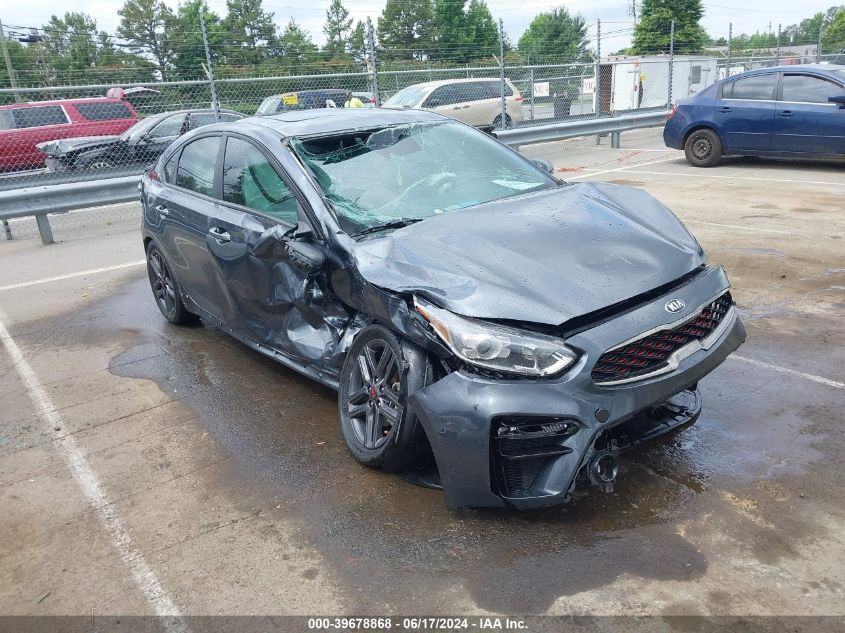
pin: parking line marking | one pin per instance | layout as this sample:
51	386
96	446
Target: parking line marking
755	178
81	273
792	372
91	487
734	226
609	171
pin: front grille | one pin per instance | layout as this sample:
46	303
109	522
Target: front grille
651	353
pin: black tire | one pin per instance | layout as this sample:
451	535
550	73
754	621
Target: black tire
165	289
703	148
497	122
379	428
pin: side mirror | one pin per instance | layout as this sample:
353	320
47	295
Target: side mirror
839	100
306	256
545	165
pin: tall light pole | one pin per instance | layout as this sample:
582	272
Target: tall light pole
13	80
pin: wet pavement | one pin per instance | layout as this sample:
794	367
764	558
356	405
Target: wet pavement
231	478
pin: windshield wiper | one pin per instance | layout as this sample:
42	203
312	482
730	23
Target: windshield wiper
394	224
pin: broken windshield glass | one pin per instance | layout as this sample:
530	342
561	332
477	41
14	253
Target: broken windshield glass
413	171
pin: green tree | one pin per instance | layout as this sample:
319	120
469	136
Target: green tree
807	30
338	29
142	24
356	45
555	36
294	46
70	45
482	30
249	29
186	39
25	66
652	33
452	39
405	29
833	37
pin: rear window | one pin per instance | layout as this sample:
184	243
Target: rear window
103	111
39	116
758	88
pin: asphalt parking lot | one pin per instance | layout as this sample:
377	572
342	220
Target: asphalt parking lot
146	468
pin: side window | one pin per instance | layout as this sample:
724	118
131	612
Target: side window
169	127
39	116
170	169
444	95
7	121
103	111
471	91
807	89
196	165
250	181
202	118
759	87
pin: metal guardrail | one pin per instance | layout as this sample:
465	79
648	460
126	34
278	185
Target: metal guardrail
588	127
42	200
45	199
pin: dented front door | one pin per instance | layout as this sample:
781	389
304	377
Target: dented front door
265	296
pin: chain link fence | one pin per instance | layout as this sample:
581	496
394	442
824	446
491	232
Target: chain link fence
65	133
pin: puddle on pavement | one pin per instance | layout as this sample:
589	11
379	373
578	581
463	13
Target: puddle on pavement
379	531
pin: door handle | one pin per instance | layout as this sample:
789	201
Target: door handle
466	106
162	210
221	235
457	107
725	109
785	113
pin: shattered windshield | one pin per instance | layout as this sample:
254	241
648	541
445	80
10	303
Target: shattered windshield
406	173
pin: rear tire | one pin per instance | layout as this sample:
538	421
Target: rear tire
378	376
703	148
165	289
497	122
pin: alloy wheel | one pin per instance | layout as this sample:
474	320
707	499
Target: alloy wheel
162	284
374	401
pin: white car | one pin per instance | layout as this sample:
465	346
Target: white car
474	101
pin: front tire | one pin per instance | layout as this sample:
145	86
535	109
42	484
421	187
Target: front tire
165	290
703	148
379	374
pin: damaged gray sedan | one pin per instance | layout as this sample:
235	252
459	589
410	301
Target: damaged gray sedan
489	329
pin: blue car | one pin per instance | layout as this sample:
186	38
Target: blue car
785	112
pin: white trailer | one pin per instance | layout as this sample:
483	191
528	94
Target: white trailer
630	83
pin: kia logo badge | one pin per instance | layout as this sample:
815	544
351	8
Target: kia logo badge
674	305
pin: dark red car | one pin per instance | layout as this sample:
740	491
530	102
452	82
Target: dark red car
25	125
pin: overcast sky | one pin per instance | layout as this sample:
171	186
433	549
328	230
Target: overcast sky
517	14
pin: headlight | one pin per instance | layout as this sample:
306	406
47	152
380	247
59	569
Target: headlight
497	347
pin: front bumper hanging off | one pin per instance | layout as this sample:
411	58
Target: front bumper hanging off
524	443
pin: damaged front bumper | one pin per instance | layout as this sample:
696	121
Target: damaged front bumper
523	443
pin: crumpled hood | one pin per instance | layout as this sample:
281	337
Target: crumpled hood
543	258
67	145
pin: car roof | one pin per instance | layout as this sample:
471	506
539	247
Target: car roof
29	104
822	68
445	82
330	120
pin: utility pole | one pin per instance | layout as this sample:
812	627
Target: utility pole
209	71
777	49
819	44
13	80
